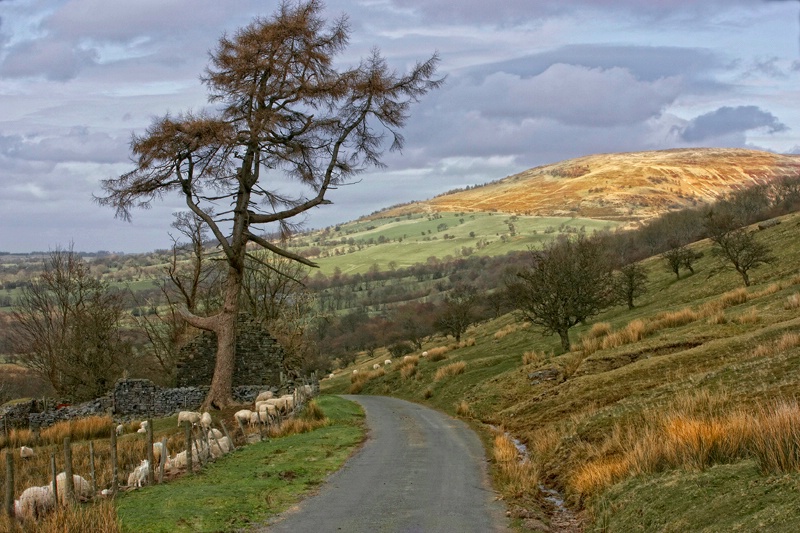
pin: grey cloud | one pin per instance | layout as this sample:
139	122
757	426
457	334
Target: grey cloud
55	60
512	12
77	144
731	120
647	63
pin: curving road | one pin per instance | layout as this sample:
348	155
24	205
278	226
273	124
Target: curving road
419	471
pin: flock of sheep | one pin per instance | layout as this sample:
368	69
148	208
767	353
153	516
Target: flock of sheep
35	502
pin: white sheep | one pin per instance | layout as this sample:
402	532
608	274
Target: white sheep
264	395
26	453
138	477
193	417
331	375
254	418
141	430
157	452
243	416
120	429
205	421
308	390
143	425
220	447
34	502
83	489
355	371
387	362
376	366
214	433
424	354
106	493
267	411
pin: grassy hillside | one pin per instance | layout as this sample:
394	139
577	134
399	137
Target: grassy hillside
677	415
620	186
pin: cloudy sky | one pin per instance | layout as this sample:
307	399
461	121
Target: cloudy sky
529	82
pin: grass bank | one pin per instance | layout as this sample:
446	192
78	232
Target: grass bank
247	487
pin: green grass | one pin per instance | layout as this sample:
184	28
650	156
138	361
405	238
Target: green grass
616	391
246	487
721	499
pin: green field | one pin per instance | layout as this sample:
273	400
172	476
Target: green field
712	353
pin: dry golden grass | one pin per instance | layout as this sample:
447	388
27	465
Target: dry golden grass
792	301
505	330
463	409
438	354
776	441
734	297
408	366
293	426
469	341
97	517
673	319
717	319
600	329
358	380
450	370
514	476
749	317
92	427
788	341
312	411
532	357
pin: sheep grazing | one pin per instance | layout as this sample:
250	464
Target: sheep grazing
355	371
308	390
120	430
264	395
138	477
142	427
26	453
205	421
387	362
220	447
243	416
157	452
254	418
141	430
214	433
106	493
424	354
376	366
267	411
83	489
193	417
34	503
331	375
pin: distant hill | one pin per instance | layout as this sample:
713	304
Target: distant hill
621	186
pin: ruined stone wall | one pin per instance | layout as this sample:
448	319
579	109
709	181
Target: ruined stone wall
259	357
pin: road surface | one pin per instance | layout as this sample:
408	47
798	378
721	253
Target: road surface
419	471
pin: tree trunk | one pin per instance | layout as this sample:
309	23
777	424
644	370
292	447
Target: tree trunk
564	335
220	395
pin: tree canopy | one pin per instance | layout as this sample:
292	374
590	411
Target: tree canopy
280	110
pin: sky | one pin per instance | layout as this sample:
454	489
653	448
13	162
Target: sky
528	83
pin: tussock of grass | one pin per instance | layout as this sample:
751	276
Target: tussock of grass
358	380
515	476
792	302
463	409
470	341
312	411
450	370
532	356
599	329
98	517
91	427
295	426
438	353
749	317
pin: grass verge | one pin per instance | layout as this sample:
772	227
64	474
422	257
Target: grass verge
247	487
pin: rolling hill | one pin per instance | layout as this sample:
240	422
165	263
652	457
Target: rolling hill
624	187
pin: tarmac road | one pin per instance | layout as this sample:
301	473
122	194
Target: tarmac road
418	471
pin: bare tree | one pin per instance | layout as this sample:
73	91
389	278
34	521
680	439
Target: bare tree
458	310
568	282
67	328
630	282
736	245
284	110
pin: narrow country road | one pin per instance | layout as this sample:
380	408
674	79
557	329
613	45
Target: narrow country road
419	471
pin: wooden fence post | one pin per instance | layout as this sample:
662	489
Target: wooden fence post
54	475
9	503
91	467
225	431
187	430
69	485
162	461
114	471
150	456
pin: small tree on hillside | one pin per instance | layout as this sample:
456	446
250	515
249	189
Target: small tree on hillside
67	328
568	282
458	311
737	245
630	282
283	111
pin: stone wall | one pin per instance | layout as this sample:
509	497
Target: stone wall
259	357
134	398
